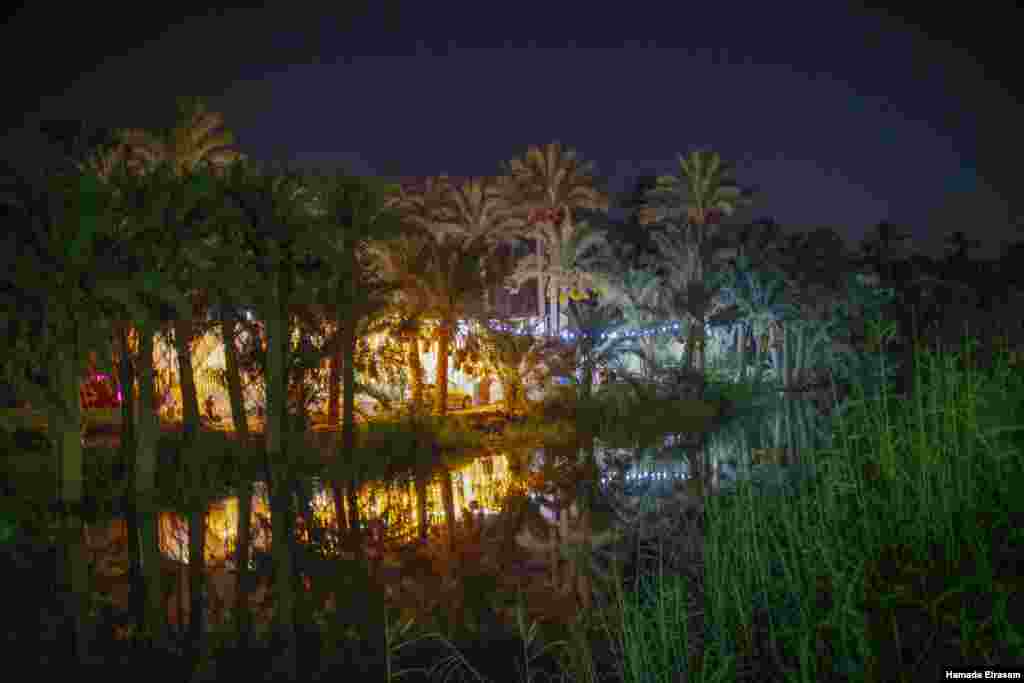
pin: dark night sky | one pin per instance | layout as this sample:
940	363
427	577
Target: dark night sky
841	118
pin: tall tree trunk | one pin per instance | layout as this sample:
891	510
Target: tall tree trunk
334	390
541	289
147	432
348	427
243	531
183	332
701	344
186	377
280	496
556	312
337	364
444	341
126	380
67	434
416	370
741	346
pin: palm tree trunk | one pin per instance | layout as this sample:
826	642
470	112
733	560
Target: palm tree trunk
197	504
280	509
67	434
541	290
741	334
126	381
416	370
688	353
441	381
337	364
701	344
347	323
243	531
145	491
334	390
186	378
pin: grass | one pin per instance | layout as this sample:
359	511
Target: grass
900	563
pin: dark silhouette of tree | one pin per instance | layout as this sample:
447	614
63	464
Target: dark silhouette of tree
877	246
76	139
960	246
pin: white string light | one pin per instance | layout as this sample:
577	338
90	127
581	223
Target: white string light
643	332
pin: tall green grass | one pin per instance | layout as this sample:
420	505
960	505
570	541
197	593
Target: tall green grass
899	563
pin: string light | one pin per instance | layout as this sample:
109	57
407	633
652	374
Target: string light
638	333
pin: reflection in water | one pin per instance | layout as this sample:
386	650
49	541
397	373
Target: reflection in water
772	437
485	481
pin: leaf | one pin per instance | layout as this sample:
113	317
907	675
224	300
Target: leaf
88	217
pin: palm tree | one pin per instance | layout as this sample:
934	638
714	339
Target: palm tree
422	202
513	357
635	292
145	198
878	246
475	207
279	230
695	201
756	294
478	208
76	224
196	140
547	184
354	213
196	137
573	253
441	280
958	246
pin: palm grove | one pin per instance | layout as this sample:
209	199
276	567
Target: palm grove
174	232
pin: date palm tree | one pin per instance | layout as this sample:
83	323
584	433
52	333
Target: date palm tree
547	184
635	292
877	247
570	267
478	208
694	202
443	281
196	140
277	230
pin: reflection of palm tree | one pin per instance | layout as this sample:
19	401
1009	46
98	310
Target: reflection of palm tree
549	183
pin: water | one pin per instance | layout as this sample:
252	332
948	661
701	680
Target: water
763	447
